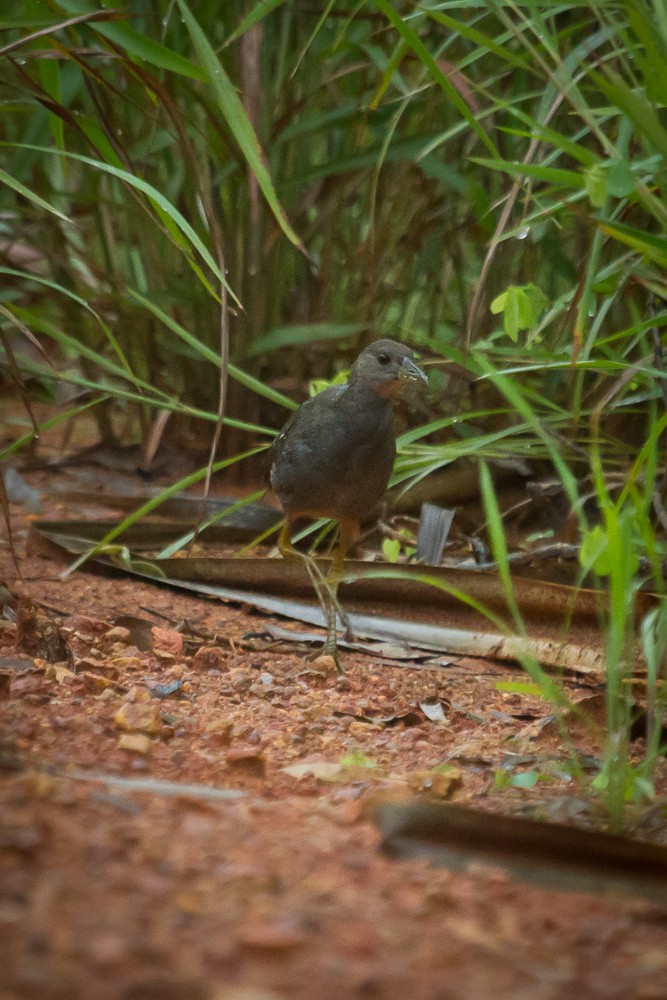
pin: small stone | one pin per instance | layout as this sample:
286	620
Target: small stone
248	760
58	672
138	716
93	682
94	663
219	732
166	640
271	935
137	693
210	658
135	742
118	634
126	662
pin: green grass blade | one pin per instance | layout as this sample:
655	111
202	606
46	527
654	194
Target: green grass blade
237	119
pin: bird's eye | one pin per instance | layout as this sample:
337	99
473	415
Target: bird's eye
384	359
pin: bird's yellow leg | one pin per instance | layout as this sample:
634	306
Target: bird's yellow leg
349	530
324	590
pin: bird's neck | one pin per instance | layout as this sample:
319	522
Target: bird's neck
366	405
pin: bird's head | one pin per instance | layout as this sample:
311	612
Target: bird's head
384	366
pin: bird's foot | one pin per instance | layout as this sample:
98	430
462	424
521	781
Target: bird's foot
328	648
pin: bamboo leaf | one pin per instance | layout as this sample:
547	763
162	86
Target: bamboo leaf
26	193
636	106
549	175
293	336
651	246
160	203
237	119
136	44
253	17
434	70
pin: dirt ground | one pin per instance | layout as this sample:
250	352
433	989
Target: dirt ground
142	891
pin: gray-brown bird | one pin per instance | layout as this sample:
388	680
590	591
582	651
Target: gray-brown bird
334	457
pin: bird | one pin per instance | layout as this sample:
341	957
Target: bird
334	458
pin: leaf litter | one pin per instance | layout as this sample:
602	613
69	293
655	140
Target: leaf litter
236	828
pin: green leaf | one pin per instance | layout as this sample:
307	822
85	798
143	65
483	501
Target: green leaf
650	246
237	119
391	549
620	179
520	687
594	551
135	43
549	175
431	65
498	304
525	779
357	758
521	306
30	195
318	385
254	16
596	185
512	313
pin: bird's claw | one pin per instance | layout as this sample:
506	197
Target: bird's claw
326	649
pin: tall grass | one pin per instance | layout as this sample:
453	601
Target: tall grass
191	192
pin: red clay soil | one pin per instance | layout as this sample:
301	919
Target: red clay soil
283	892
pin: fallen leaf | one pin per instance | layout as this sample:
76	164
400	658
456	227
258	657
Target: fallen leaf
164	690
433	710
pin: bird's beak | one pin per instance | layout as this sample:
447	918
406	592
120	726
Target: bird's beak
411	372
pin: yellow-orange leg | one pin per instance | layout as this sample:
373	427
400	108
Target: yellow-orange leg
325	588
349	529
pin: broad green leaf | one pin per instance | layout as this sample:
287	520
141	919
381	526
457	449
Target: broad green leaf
318	385
521	306
499	303
391	549
357	758
512	313
524	779
236	117
620	179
